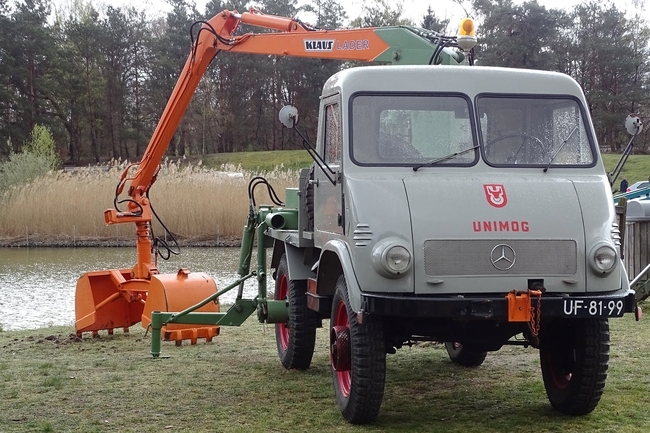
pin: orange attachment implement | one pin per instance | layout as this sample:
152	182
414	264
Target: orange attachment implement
111	299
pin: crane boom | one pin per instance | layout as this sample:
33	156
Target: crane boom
397	45
116	298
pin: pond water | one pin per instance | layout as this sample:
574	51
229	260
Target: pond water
37	285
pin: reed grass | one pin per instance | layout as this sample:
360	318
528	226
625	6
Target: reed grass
194	203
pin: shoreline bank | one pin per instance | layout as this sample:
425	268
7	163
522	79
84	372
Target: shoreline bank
56	242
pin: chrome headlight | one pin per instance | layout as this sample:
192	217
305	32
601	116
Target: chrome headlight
603	259
391	259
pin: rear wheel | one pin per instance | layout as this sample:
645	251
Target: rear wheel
463	355
296	338
574	356
358	359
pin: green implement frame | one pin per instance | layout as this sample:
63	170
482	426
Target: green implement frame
268	310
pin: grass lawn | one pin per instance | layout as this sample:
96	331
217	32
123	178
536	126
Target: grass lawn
262	161
52	382
636	168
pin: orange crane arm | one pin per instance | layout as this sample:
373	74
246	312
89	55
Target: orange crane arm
397	45
215	36
293	38
109	299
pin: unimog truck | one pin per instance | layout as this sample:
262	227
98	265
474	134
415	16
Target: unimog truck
458	205
447	202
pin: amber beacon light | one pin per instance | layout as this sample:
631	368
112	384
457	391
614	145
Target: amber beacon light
466	34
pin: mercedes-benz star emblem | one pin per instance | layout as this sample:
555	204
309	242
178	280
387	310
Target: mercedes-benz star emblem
503	257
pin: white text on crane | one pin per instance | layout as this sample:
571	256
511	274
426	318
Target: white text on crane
330	45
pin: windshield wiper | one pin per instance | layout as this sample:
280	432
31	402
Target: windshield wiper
444	158
558	151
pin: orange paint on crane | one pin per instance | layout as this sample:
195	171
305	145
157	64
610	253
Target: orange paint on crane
111	299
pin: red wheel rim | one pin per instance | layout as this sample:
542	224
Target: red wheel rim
561	381
559	374
281	293
344	377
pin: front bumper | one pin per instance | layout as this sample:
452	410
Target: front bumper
495	307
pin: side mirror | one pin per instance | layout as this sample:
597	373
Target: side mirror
633	124
289	116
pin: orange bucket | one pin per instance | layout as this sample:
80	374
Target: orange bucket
111	299
102	303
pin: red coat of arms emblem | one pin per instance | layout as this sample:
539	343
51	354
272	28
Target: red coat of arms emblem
495	194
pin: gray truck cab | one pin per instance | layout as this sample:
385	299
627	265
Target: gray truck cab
464	181
461	205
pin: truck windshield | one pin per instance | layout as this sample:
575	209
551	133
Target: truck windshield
533	131
411	129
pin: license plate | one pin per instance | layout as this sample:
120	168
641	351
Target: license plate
593	307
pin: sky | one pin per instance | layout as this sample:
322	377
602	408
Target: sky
414	9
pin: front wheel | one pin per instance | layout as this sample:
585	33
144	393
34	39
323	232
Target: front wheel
296	338
358	360
574	356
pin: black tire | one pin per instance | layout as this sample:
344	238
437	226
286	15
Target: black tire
463	355
296	338
358	360
574	356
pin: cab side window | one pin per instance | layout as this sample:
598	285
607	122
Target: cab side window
333	134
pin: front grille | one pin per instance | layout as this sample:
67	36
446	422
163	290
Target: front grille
474	257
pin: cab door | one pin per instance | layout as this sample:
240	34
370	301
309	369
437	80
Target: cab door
328	193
